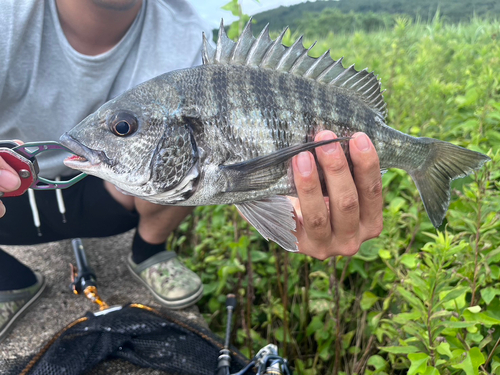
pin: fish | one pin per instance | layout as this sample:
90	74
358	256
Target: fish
224	132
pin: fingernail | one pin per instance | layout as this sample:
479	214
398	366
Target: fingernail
304	164
362	142
8	181
331	147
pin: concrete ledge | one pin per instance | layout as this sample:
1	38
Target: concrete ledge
59	306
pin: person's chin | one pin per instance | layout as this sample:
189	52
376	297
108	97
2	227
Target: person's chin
120	5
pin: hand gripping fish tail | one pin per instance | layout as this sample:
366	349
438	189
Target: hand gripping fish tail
224	132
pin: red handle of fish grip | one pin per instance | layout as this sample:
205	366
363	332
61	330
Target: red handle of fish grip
23	166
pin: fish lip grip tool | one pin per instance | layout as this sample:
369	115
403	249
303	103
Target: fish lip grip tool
22	158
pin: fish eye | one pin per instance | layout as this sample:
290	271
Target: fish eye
122	128
123	124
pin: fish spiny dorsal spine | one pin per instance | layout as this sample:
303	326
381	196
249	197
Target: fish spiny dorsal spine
256	54
271	54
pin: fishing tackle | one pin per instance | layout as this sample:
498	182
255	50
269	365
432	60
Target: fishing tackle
22	158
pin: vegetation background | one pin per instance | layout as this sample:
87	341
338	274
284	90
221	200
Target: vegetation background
415	300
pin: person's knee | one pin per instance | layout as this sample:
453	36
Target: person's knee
145	208
126	201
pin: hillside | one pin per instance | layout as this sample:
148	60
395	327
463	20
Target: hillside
451	11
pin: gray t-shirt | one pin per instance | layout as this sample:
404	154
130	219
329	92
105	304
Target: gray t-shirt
46	87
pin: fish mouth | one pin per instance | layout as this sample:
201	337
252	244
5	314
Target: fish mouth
84	158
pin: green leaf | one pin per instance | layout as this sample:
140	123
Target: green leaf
368	300
396	205
444	349
399	349
493	256
384	254
213	304
485	342
387	302
411	299
470	98
454	293
418	283
418	363
325	349
457	303
409	260
489	293
484	318
495	365
455	324
259	256
495	272
414	329
404	318
378	362
318	306
233	6
472	362
432	371
315	325
474	309
278	334
347	339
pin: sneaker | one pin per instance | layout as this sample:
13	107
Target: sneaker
171	282
15	303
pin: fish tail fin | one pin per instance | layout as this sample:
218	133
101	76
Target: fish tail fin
445	162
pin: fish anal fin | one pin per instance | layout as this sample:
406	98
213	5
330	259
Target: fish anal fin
273	218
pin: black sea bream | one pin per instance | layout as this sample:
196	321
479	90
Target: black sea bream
224	132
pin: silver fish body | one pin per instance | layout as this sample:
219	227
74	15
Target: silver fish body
224	132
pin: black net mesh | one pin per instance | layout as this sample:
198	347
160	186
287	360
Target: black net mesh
140	335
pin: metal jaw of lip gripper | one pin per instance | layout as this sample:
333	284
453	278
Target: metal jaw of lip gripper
31	150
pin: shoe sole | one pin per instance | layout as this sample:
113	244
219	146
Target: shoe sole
18	315
173	305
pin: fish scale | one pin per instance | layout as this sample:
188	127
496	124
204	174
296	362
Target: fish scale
225	132
296	119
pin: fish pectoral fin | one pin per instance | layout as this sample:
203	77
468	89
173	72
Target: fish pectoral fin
273	218
278	157
259	173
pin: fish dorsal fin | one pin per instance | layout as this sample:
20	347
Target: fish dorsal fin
266	53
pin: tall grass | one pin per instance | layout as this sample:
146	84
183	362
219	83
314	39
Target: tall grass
415	300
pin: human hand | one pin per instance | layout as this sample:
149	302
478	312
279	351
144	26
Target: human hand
352	214
9	181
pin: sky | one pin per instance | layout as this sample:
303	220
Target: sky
211	10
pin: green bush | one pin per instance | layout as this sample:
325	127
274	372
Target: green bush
415	300
317	25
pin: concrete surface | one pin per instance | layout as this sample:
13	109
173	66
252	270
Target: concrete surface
59	306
